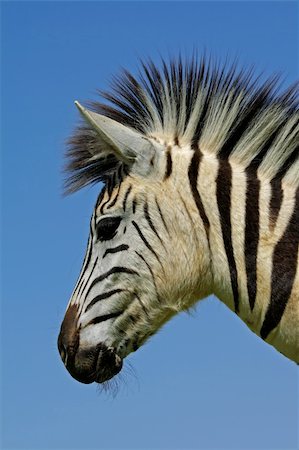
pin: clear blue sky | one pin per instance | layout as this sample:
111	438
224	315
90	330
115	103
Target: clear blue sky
204	382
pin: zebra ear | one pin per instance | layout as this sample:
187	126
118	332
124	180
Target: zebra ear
126	144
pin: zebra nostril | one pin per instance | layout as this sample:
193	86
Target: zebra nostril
68	339
62	351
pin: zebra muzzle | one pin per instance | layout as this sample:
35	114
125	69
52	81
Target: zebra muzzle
108	364
95	365
87	365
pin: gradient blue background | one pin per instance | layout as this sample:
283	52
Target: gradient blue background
205	381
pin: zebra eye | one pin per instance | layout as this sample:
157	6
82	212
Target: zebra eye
106	228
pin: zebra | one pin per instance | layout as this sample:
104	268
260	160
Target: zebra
200	171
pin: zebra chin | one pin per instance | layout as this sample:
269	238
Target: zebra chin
95	365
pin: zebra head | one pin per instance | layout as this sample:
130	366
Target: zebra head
142	261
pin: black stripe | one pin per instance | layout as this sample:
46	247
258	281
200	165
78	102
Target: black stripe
105	203
100	198
84	265
223	194
266	146
81	283
89	276
119	248
148	245
161	215
292	158
275	201
88	254
253	168
252	218
120	174
141	304
276	187
112	183
201	120
132	319
193	179
252	215
103	296
150	222
108	185
284	266
151	272
168	164
111	272
247	116
126	197
103	318
134	205
115	198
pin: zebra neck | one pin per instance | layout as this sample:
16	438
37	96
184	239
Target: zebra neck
243	228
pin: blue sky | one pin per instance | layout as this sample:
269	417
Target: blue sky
205	381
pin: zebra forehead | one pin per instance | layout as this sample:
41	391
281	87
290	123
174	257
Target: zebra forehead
124	195
222	110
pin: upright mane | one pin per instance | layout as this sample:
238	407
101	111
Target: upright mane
220	109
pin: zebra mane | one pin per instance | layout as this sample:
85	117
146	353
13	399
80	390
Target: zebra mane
218	108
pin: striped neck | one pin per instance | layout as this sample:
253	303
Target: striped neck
248	221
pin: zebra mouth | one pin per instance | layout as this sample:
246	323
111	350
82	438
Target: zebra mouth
96	365
108	364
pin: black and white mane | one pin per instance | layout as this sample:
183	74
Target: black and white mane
220	109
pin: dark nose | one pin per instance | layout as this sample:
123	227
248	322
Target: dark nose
68	345
85	365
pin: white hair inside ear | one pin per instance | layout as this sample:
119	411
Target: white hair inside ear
128	145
